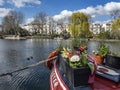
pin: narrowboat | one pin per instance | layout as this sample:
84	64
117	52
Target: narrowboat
103	77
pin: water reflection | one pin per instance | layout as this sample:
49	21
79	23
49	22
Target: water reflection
14	54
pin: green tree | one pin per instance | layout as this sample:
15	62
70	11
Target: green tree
115	32
104	35
79	25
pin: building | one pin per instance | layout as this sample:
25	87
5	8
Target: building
61	27
107	26
48	29
95	28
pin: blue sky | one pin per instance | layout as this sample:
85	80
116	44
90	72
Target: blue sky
98	9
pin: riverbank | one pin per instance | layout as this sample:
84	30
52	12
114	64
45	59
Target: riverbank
13	37
48	37
109	40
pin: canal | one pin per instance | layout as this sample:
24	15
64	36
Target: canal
15	54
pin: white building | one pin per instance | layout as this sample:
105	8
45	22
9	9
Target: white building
61	27
34	28
95	28
28	27
107	26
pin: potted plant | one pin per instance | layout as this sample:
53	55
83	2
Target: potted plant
102	52
75	65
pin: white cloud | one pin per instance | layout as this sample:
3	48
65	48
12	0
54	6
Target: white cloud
102	10
22	3
112	6
4	11
29	20
89	10
1	2
93	11
62	15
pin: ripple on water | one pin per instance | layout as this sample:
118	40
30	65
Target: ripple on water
32	79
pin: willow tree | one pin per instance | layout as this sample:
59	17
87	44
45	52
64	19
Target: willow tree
79	25
115	32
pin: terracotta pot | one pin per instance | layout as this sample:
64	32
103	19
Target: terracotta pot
98	59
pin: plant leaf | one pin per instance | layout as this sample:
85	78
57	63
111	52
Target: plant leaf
91	66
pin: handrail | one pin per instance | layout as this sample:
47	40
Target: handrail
27	67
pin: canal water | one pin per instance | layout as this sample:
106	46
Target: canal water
15	54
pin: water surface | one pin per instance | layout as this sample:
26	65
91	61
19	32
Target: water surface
15	54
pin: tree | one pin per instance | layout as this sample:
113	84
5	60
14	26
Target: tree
104	35
115	14
11	22
79	25
51	25
115	32
61	24
39	22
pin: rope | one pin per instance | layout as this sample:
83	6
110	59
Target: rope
27	67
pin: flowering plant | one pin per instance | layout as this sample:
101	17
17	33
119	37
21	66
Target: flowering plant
75	58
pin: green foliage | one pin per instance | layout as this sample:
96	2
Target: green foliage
79	26
77	42
115	32
84	58
103	50
116	24
82	62
75	64
104	35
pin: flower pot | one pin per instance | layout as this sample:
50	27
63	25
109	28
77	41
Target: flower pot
98	59
113	61
77	76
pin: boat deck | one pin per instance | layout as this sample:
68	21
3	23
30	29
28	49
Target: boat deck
102	83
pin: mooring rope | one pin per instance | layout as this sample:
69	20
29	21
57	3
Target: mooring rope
27	67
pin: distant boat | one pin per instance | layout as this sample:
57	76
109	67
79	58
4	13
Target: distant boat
103	79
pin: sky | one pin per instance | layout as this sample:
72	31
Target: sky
58	9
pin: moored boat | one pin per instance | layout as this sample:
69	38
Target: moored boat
104	78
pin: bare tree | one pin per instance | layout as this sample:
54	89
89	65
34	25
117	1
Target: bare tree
61	24
39	22
115	14
51	23
11	22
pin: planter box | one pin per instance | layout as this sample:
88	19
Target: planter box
113	61
77	76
